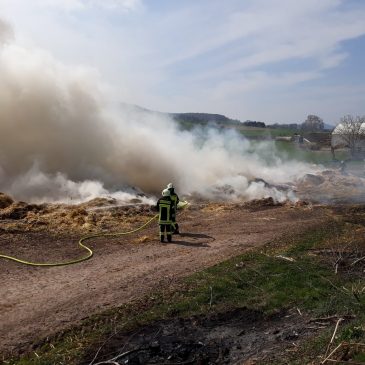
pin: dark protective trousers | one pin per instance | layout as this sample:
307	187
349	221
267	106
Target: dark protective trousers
165	228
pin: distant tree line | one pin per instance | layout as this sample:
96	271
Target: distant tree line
253	123
313	123
294	126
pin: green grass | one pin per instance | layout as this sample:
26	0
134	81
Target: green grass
258	280
290	151
250	132
271	151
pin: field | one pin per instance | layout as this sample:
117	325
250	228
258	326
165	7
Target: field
323	156
289	150
252	132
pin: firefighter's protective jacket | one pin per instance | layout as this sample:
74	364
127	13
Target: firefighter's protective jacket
164	207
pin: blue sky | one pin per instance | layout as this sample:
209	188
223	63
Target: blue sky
268	60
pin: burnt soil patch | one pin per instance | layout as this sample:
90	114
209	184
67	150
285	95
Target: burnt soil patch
222	338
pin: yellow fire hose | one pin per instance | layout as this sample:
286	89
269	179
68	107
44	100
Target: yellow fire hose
82	239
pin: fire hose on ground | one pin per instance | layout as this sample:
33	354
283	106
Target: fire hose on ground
80	243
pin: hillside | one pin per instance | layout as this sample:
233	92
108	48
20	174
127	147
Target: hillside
186	120
203	118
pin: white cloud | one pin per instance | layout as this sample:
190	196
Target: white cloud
278	31
79	5
68	5
128	5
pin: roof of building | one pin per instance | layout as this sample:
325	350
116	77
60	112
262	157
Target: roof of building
340	129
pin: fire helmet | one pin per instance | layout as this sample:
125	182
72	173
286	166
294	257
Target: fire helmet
165	192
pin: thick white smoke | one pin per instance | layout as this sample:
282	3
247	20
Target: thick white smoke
61	139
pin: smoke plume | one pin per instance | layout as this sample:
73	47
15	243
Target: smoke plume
62	139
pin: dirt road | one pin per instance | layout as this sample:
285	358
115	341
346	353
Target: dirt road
38	302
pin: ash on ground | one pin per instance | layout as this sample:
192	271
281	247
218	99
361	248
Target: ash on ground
238	335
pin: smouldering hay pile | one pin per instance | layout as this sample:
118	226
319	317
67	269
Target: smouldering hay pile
215	208
5	201
252	205
331	187
100	214
94	216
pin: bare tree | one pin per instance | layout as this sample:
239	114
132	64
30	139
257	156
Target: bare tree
349	132
313	123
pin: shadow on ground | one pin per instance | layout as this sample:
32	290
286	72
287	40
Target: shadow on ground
197	239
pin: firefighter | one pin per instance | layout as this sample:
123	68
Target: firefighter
164	207
175	202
